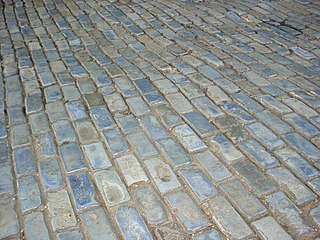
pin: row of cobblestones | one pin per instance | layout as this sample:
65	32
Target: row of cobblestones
159	119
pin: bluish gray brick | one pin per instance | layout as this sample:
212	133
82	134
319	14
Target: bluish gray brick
213	166
46	78
10	223
304	146
78	71
20	135
35	227
71	156
83	193
302	125
169	230
274	105
29	193
98	225
70	235
64	131
198	182
76	110
287	214
6	185
187	211
115	141
127	123
142	145
207	107
138	106
201	125
154	127
50	174
265	136
226	218
97	156
145	86
23	161
258	154
162	175
102	118
38	122
44	146
246	203
4	156
85	131
226	149
238	112
188	138
248	103
179	102
174	152
131	223
212	234
112	189
209	72
315	215
150	205
154	98
315	185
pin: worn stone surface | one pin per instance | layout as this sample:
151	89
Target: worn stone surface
163	120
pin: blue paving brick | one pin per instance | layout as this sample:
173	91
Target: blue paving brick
154	127
207	107
4	156
50	174
142	145
82	190
201	125
97	156
6	184
211	234
64	131
198	182
127	123
35	227
46	147
131	223
248	103
188	138
78	71
102	117
115	141
71	156
302	125
24	161
304	146
7	211
76	110
70	235
238	112
29	193
154	98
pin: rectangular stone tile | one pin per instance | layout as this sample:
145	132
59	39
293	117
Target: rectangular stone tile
38	122
295	189
211	234
200	124
179	102
138	106
154	98
97	156
20	135
302	125
102	118
258	154
44	145
268	229
274	105
131	223
4	156
23	161
162	175
50	174
56	111
127	123
98	225
273	122
198	182
248	103
217	95
190	90
288	215
29	193
169	117
254	177
64	131
111	187
246	203
6	185
10	223
213	166
70	234
265	136
304	146
226	149
83	193
154	127
226	218
299	107
131	169
150	205
76	110
142	145
35	227
115	141
71	156
174	152
145	86
86	131
187	211
207	107
60	209
239	113
188	138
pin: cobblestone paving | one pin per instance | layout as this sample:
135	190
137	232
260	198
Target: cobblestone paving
159	119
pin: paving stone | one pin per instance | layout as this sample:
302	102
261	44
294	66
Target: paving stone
4	157
111	187
254	178
24	161
150	205
226	218
86	131
299	107
115	141
302	125
98	224
9	223
162	175
97	156
154	127
131	223
188	138
287	214
82	190
168	116
265	136
6	186
295	189
59	206
35	227
69	235
211	234
274	105
226	149
179	102
315	213
56	111
201	125
50	174
127	123
238	112
76	110
248	103
102	118
44	145
207	107
131	169
64	131
20	135
142	145
258	154
187	211
71	156
138	106
268	228
29	193
169	231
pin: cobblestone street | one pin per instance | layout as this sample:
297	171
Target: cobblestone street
165	120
